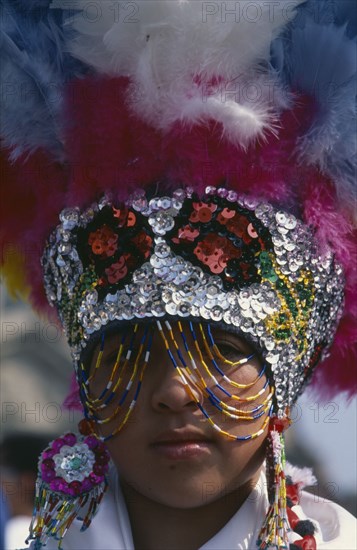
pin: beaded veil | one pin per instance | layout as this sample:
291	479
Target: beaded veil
171	161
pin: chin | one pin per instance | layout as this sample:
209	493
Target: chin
189	500
183	492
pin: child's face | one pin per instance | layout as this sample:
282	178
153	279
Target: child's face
168	451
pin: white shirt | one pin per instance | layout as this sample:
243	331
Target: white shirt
16	531
111	530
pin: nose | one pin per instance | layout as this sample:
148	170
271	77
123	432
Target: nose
173	394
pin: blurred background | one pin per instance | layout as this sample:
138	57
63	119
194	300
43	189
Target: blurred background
35	377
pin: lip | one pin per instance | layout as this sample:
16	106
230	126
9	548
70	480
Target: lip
182	444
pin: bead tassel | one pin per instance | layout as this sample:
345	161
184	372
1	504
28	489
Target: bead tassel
54	513
274	532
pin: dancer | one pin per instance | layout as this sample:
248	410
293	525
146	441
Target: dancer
190	177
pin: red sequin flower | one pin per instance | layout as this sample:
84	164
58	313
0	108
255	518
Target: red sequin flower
125	217
119	244
215	252
186	233
202	212
103	242
143	243
116	271
237	224
223	237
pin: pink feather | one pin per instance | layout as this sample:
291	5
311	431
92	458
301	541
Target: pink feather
34	193
112	150
72	401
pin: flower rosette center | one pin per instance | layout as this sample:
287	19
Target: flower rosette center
74	463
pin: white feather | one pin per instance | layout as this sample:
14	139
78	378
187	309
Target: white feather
172	50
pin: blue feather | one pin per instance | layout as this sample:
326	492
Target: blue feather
317	56
26	6
34	68
326	12
346	13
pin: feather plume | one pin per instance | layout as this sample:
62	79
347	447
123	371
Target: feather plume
325	12
318	58
33	70
346	14
175	53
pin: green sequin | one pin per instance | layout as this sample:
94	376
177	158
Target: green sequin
75	463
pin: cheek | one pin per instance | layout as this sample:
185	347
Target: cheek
242	411
112	393
115	382
242	462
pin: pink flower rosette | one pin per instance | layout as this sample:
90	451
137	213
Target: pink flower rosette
74	464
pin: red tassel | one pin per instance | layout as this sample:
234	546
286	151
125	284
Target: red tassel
292	492
293	518
306	543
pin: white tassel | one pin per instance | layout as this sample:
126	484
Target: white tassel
301	476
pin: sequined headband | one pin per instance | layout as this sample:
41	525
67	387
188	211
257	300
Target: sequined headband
221	258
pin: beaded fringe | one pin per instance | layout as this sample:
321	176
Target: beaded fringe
55	512
274	532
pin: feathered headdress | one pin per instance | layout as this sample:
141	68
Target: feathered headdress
142	132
